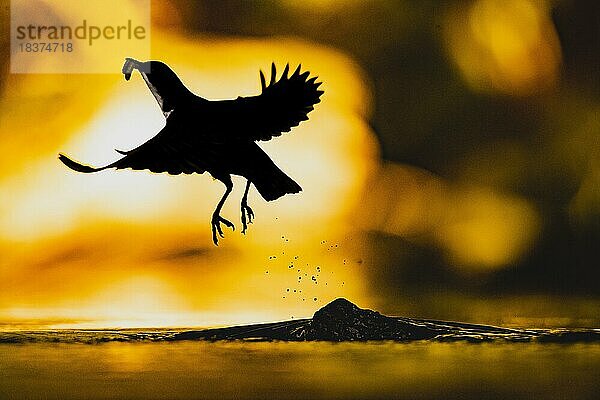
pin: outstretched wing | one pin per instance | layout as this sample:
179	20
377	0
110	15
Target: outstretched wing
172	150
168	152
282	105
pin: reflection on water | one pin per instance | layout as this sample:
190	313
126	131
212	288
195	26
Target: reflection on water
299	370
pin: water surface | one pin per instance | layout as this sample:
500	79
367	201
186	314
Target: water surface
300	370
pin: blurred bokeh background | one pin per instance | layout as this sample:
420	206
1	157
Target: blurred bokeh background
452	171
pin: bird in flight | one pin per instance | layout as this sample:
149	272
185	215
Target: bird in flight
219	137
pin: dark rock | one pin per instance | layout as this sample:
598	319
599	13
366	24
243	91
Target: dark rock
564	336
291	331
342	320
338	321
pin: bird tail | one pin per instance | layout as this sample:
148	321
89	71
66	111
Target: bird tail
275	184
75	166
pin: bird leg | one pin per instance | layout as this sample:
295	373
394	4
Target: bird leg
246	210
217	220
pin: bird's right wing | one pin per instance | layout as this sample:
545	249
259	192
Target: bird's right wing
282	105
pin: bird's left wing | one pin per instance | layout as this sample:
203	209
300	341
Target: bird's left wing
172	150
169	151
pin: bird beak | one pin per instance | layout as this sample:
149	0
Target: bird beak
129	66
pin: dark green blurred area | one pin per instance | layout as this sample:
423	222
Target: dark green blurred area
543	146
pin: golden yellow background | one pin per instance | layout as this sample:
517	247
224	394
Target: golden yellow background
133	248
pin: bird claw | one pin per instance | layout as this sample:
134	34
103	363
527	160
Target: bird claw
216	222
247	216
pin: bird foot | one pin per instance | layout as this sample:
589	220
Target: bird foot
247	216
215	223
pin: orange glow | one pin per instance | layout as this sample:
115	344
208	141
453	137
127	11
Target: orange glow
505	46
486	230
125	248
131	248
409	201
480	229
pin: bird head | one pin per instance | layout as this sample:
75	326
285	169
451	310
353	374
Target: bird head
162	81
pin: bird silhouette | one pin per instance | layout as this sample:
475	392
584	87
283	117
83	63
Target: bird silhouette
219	137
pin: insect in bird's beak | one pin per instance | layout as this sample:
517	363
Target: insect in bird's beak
128	68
